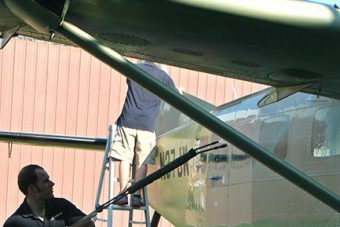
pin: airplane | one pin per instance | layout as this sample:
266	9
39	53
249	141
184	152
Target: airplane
291	45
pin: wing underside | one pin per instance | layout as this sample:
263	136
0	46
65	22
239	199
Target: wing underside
289	43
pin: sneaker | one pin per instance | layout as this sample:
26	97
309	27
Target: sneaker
122	201
136	201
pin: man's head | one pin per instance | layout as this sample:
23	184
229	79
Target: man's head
34	180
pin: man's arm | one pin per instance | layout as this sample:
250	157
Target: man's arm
85	223
74	216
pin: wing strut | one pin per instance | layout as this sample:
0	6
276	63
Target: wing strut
45	21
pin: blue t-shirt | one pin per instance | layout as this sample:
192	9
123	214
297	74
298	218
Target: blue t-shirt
141	106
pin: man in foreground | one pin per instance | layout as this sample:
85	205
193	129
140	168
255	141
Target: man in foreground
39	207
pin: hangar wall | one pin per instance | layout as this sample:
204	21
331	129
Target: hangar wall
57	89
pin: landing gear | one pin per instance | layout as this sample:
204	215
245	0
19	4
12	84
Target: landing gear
155	219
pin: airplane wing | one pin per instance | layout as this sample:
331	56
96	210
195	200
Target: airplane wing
281	43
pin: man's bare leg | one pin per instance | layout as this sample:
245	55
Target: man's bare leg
140	174
124	174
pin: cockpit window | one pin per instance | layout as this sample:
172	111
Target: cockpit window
326	132
274	135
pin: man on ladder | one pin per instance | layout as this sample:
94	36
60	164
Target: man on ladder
135	132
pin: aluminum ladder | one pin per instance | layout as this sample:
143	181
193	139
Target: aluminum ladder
108	165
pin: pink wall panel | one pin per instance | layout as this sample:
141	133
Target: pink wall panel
72	92
57	89
4	182
103	100
29	88
202	83
68	178
6	86
18	86
193	82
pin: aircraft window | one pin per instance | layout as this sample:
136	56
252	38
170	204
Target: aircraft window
326	132
274	135
247	103
169	118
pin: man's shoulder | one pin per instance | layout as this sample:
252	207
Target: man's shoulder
22	209
153	69
14	220
59	201
9	222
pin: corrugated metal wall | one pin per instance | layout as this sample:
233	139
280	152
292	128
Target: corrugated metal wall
56	89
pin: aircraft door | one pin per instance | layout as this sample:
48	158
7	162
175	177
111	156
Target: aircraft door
209	183
170	146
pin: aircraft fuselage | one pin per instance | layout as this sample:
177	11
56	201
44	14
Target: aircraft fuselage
229	188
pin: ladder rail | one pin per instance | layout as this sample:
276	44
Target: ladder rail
111	192
102	172
112	207
145	209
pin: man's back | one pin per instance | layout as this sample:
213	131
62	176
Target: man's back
141	107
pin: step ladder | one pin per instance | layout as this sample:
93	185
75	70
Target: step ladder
108	165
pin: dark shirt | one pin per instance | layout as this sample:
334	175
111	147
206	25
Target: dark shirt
59	213
141	107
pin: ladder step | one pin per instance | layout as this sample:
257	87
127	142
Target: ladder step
119	207
101	219
137	222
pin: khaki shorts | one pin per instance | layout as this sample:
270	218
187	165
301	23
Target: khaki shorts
128	142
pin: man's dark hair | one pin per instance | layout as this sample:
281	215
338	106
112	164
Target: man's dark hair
27	176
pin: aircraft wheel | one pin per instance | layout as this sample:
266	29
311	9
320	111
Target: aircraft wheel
155	219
